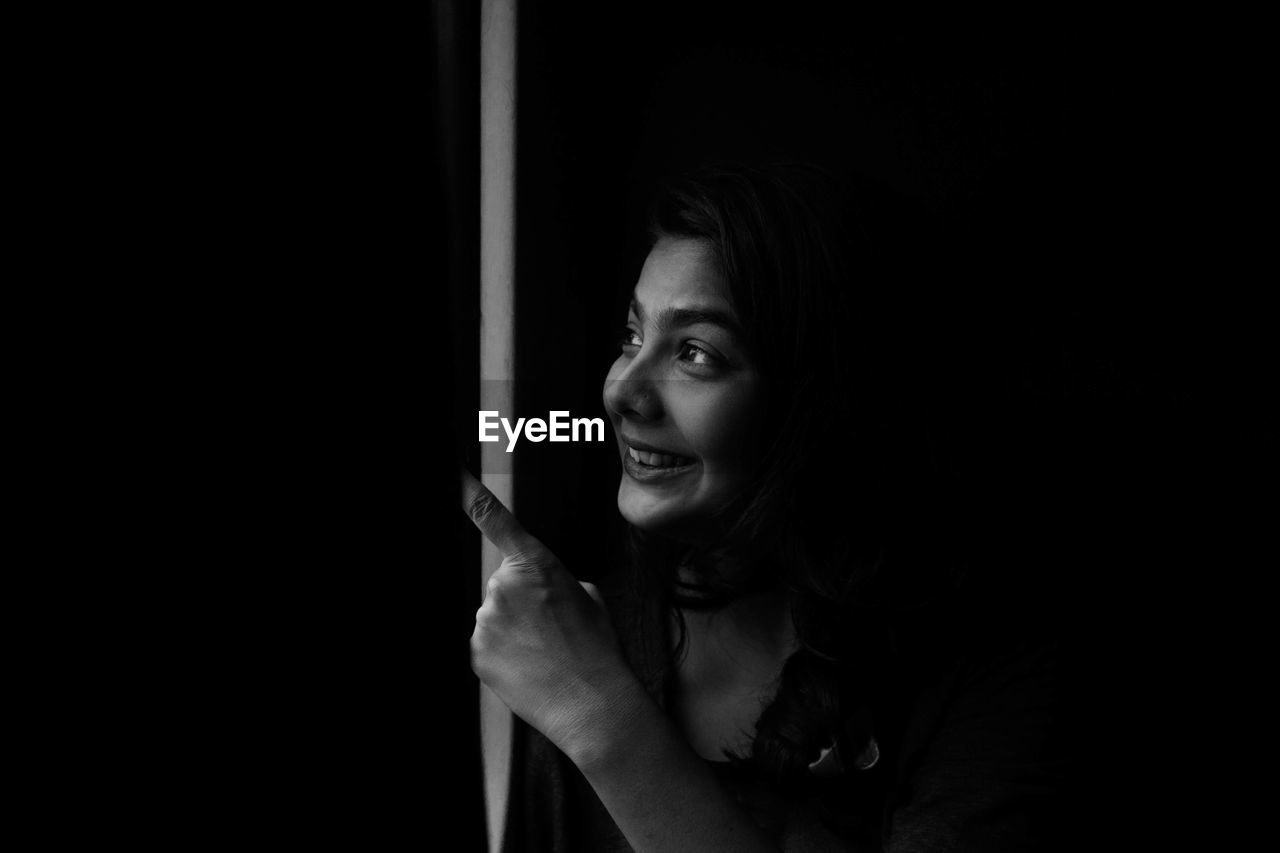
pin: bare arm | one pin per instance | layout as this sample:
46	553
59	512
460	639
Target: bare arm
662	796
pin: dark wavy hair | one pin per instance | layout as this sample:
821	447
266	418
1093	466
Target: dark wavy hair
823	522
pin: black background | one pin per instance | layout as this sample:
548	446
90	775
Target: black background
300	188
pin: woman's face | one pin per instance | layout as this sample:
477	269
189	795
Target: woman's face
684	397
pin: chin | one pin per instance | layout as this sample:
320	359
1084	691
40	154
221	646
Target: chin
645	512
670	517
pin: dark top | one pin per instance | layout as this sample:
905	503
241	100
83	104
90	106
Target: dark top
977	763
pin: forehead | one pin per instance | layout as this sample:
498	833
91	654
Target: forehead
679	273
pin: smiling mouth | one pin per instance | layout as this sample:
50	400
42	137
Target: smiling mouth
657	460
646	466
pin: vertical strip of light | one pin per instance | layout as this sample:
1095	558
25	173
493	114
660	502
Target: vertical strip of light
497	337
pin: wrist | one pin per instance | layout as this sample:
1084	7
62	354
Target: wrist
609	730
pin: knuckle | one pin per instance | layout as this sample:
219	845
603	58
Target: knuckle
526	556
497	596
483	505
531	569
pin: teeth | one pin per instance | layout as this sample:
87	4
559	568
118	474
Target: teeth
656	460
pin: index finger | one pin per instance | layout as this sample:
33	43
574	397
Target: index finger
494	520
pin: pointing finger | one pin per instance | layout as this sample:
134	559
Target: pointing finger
494	520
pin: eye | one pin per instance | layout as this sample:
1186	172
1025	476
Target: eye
629	337
696	354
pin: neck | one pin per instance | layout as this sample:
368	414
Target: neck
760	620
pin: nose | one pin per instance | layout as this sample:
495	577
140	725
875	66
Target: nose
629	392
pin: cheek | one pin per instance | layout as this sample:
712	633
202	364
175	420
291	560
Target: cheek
725	427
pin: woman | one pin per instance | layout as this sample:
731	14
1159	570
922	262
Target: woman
790	664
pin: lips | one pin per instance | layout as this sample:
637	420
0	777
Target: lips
648	463
658	460
653	456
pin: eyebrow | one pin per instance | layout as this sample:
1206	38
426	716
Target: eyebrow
676	317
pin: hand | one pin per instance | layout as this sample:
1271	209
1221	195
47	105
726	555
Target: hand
543	642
